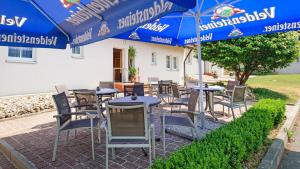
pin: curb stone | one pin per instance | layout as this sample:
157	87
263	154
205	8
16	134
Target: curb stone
17	159
275	152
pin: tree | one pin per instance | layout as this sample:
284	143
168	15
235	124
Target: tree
262	53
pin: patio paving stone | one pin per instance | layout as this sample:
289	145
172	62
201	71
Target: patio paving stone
36	137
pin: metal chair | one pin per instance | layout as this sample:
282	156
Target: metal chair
137	89
87	101
230	86
188	120
65	122
165	90
106	84
177	94
236	100
128	126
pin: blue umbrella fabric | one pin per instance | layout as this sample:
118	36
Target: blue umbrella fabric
213	20
55	23
220	20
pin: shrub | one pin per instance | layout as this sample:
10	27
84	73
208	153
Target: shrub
231	145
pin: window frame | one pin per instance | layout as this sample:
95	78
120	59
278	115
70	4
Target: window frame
170	62
154	54
176	63
20	59
76	55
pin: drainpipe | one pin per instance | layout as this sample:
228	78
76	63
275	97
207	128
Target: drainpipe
184	64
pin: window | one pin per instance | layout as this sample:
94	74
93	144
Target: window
20	54
153	58
77	52
168	62
174	64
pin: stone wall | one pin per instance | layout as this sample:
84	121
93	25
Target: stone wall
11	106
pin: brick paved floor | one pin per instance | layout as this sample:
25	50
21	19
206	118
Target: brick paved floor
4	163
34	136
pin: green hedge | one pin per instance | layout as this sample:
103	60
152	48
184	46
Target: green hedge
231	145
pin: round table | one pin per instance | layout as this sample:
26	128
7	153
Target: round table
148	100
106	91
209	92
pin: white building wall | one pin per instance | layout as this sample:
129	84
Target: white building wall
192	67
293	68
55	66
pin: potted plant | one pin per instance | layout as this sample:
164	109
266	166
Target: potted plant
131	56
132	74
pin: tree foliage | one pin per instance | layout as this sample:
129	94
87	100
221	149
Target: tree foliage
262	53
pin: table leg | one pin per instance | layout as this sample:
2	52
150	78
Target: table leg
211	105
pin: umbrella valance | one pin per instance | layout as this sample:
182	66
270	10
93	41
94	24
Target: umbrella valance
220	20
54	23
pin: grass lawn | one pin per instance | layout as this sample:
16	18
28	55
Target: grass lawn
286	87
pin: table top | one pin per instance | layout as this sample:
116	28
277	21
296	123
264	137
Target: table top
210	88
106	91
149	100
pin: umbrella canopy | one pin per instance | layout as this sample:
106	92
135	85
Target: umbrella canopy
54	23
220	20
213	20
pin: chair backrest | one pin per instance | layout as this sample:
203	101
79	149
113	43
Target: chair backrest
192	103
190	84
231	84
153	79
63	107
62	88
127	120
164	87
239	94
128	90
86	99
175	90
138	89
106	84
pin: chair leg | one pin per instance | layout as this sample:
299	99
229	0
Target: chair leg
150	144
55	145
164	136
113	153
153	142
67	137
246	108
92	138
106	150
99	133
232	113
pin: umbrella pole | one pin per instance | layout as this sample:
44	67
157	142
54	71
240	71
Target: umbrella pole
197	19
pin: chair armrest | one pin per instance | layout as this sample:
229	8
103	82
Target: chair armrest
91	116
185	93
177	104
73	113
185	111
223	95
85	105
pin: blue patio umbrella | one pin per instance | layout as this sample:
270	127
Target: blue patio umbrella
55	23
220	20
213	20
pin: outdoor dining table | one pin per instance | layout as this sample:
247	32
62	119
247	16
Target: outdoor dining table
209	93
104	92
148	100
